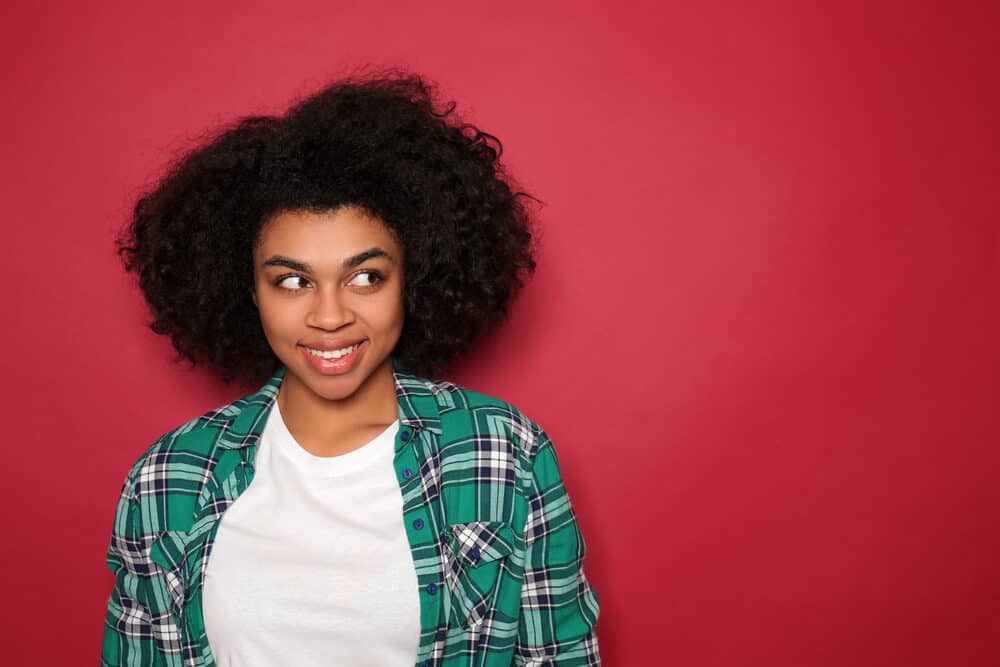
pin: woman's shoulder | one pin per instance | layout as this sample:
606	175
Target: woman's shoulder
196	444
464	412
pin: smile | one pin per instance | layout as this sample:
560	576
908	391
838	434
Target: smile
332	354
335	362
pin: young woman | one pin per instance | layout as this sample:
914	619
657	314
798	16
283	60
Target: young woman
353	511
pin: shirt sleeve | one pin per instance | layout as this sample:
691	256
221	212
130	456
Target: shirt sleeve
559	608
128	625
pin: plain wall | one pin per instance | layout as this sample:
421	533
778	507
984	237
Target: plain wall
763	332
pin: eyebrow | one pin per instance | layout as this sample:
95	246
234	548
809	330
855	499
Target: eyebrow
349	263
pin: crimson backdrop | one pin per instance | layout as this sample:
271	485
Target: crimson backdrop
769	288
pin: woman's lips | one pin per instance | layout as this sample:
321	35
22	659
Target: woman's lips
335	366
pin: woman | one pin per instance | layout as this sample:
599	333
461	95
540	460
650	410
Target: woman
352	511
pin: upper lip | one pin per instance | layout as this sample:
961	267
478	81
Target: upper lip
327	345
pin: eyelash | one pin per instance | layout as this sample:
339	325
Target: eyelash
378	278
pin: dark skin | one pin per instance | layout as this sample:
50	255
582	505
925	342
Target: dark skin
325	281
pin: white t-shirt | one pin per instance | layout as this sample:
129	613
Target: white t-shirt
311	564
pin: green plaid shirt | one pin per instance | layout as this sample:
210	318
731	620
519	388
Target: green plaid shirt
495	542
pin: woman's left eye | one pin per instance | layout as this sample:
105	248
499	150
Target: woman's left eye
366	279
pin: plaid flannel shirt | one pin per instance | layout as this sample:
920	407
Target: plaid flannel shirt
495	542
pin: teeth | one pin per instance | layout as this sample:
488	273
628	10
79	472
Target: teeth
333	354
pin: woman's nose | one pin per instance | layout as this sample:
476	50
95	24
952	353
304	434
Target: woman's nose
329	310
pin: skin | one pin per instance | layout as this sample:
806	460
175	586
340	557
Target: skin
320	298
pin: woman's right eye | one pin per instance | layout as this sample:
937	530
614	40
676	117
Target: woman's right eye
292	283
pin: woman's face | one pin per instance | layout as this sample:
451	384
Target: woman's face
329	288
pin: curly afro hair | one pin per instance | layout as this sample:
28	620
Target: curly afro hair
379	142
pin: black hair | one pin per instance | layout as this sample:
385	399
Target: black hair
380	142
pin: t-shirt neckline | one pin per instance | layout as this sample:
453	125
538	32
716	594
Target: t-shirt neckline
327	466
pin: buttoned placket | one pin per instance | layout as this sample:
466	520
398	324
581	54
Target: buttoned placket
416	478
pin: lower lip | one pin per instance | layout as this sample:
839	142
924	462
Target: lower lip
335	366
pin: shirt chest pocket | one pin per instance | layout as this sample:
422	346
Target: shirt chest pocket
178	555
476	562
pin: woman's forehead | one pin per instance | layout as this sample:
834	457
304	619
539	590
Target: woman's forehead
325	238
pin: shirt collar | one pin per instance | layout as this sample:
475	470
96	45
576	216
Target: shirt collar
243	421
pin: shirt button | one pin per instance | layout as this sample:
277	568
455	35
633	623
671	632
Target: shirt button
418	523
404	435
432	588
407	473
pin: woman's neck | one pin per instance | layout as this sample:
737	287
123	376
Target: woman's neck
331	427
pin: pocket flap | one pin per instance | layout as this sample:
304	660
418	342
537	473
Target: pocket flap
479	542
168	550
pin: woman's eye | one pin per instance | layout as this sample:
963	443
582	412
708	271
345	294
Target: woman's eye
366	279
292	282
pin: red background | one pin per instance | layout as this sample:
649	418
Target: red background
768	290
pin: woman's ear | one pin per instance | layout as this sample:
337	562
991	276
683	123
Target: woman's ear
253	295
